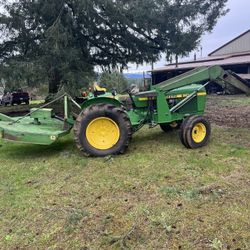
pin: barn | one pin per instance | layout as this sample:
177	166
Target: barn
234	56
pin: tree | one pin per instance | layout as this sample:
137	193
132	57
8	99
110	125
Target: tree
66	39
114	80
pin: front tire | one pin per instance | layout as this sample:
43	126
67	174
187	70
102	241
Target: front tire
102	130
195	132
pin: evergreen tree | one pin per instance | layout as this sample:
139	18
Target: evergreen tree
114	80
65	39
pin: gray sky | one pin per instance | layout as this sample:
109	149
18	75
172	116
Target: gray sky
228	27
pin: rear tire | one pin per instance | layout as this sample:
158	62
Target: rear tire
195	132
102	130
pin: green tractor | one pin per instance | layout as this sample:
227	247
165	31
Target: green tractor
105	125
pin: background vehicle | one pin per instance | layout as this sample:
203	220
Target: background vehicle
15	98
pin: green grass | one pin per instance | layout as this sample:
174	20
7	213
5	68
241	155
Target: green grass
158	195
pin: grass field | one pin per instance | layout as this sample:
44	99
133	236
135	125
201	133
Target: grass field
158	195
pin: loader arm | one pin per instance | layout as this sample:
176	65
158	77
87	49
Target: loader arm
214	73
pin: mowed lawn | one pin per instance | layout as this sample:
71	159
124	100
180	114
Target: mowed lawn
158	195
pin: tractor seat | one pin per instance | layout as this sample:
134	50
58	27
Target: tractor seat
98	90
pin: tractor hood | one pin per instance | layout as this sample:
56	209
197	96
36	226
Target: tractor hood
186	90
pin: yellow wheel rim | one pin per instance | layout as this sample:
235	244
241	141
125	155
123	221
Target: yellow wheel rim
102	133
199	132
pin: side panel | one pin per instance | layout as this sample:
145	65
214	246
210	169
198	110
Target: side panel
137	116
162	108
194	106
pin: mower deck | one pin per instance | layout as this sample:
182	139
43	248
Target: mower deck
45	132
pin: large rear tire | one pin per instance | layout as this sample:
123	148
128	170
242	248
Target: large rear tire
102	130
195	132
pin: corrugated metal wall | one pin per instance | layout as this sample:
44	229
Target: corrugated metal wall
242	44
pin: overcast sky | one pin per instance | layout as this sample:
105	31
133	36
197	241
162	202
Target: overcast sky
228	27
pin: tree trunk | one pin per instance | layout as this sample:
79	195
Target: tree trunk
54	80
176	61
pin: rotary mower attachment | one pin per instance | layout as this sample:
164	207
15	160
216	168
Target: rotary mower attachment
41	126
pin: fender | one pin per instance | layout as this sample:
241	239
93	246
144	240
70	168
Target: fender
98	100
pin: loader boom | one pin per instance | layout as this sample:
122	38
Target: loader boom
214	73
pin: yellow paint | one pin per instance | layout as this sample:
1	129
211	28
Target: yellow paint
44	109
174	97
102	133
202	94
199	132
143	99
179	96
98	88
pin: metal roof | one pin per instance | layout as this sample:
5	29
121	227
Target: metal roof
244	76
233	59
236	43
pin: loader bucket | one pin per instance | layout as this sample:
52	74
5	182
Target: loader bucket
42	130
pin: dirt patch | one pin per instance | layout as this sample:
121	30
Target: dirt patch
229	111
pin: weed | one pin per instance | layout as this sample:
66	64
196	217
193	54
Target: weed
74	219
216	244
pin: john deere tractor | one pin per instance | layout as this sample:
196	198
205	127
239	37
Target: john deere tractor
105	125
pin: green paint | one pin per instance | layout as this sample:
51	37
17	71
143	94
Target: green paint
27	130
108	98
41	113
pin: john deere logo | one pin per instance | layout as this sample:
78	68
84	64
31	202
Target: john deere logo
53	138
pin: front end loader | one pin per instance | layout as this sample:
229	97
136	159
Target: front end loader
105	125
